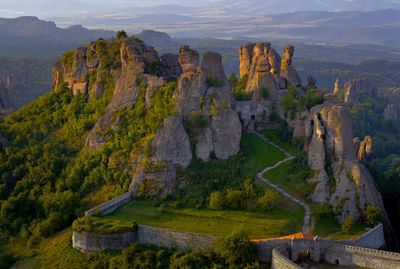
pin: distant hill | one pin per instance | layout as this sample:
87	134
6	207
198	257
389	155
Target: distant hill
30	36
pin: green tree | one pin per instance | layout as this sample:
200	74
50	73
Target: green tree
373	215
269	200
347	224
234	199
236	249
217	200
122	34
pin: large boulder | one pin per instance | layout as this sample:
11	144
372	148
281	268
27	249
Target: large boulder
329	146
363	149
212	66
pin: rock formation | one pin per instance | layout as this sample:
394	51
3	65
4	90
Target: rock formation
363	149
287	70
356	89
126	67
340	178
196	99
267	73
171	67
337	87
189	59
392	112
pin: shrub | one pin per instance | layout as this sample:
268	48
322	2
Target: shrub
6	259
234	199
347	224
264	92
214	82
312	98
373	215
121	34
217	200
269	200
67	59
236	249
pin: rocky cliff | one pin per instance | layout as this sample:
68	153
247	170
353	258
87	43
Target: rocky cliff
204	122
266	72
339	176
358	88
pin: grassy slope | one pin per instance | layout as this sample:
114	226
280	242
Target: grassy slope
295	185
260	225
261	153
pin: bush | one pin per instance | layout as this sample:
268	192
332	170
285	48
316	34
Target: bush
122	34
373	215
6	259
347	224
217	200
214	82
312	98
236	249
234	199
269	200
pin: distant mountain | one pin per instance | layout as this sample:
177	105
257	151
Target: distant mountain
262	7
30	36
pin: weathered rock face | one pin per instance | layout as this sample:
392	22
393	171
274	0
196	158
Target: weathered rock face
288	72
196	99
172	143
171	67
267	73
363	149
212	66
189	59
392	112
330	147
356	89
337	86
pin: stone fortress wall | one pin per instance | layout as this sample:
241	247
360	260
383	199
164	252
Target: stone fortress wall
145	235
109	206
281	253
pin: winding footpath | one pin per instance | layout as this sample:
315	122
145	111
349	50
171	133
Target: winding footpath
307	226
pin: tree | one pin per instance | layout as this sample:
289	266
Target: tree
236	249
234	199
233	80
373	215
269	200
122	34
217	200
347	224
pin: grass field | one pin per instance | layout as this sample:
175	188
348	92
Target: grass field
261	154
285	220
274	137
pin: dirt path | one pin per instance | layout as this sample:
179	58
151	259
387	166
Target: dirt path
307	226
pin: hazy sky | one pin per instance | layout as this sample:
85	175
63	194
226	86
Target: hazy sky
49	8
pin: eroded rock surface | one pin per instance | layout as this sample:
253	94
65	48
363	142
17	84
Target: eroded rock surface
349	188
189	59
267	73
356	89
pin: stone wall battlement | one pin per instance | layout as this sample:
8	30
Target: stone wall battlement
369	251
110	206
